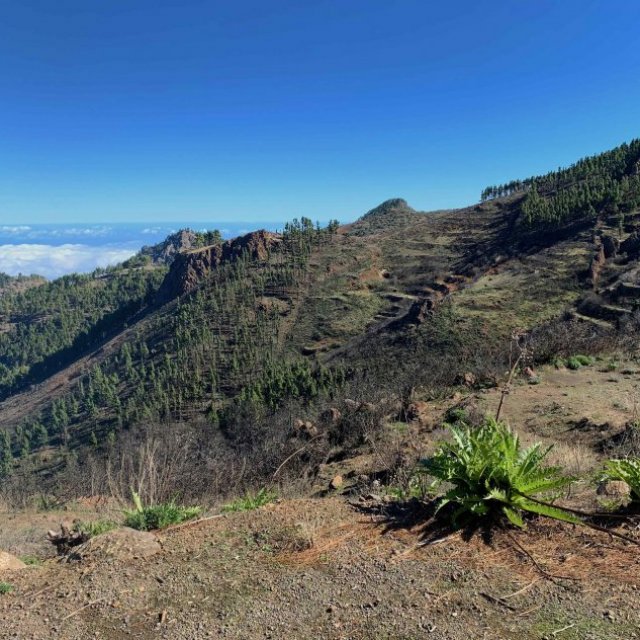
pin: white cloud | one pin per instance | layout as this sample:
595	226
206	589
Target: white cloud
80	231
54	261
14	228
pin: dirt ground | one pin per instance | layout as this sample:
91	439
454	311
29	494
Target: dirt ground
323	569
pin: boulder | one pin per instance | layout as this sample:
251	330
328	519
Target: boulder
337	482
418	411
10	563
120	544
304	428
631	245
615	489
353	406
469	379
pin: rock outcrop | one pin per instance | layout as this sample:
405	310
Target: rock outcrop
611	246
166	251
191	267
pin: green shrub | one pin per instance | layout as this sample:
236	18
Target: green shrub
95	527
578	361
159	516
573	363
5	588
493	477
250	501
627	471
32	561
612	365
455	415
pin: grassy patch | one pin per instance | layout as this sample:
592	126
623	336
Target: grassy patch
31	561
5	588
399	427
250	501
95	527
559	625
159	516
416	485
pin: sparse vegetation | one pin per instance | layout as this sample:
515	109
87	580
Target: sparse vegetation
94	528
5	588
415	485
250	501
159	516
493	477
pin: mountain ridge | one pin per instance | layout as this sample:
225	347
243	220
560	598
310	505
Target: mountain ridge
234	335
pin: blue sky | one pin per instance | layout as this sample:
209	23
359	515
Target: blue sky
132	110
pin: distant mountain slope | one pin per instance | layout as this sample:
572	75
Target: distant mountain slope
45	326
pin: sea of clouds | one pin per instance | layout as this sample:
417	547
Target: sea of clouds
58	249
55	261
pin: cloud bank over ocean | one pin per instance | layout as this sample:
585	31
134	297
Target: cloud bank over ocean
55	261
55	250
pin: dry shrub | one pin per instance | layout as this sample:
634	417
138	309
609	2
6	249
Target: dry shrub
164	462
625	444
154	467
576	459
565	337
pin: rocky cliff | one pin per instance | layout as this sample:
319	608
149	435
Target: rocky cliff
191	267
